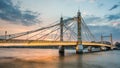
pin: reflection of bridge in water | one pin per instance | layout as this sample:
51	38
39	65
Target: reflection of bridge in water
69	32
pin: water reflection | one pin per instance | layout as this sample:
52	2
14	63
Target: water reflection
70	61
79	61
61	61
41	58
61	54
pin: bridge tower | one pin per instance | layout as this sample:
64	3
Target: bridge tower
79	47
61	48
110	36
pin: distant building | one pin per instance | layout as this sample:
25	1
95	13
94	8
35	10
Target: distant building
117	44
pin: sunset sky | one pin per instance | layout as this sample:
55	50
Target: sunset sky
101	16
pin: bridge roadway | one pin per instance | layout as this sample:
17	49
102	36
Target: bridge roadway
47	43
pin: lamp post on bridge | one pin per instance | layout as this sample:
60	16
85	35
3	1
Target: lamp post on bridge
79	47
5	35
101	38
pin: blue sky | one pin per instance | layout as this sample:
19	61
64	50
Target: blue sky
69	7
102	16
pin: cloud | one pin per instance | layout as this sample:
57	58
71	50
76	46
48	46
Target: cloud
101	4
113	16
91	1
116	24
106	25
115	6
91	19
10	12
102	21
105	30
80	0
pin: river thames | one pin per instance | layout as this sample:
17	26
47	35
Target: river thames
50	58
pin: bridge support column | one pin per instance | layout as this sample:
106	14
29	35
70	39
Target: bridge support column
112	48
61	49
90	49
79	49
103	48
108	48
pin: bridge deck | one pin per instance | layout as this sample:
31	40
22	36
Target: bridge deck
47	43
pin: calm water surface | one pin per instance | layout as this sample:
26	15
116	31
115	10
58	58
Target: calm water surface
49	58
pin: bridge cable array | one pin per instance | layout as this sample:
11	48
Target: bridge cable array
70	33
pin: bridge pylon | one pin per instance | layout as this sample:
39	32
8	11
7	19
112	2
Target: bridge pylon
61	48
111	40
79	46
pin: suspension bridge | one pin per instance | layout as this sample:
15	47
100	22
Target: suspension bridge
66	32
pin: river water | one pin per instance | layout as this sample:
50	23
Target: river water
50	58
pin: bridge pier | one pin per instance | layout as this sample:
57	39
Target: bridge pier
61	49
108	48
90	49
79	49
103	48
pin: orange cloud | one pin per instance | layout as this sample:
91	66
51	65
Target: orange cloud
14	28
